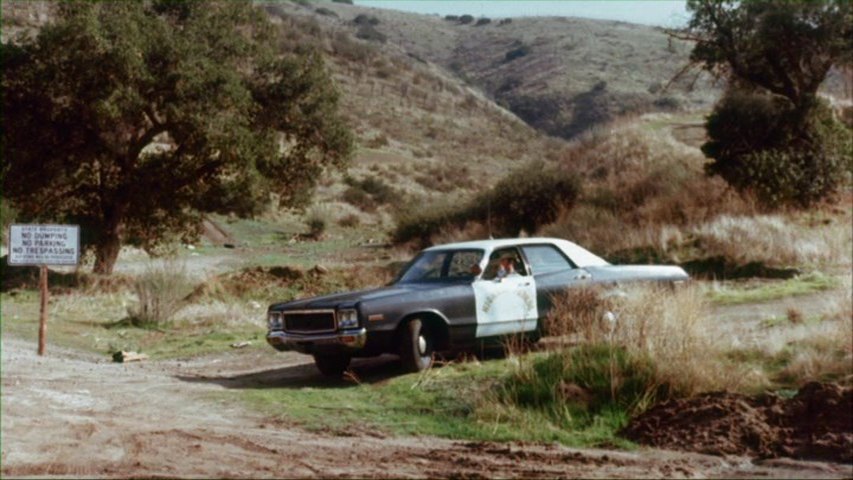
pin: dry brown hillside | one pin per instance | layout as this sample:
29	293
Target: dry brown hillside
561	75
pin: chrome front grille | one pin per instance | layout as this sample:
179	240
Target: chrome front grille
312	321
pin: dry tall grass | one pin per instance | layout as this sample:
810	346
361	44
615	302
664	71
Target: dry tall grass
821	349
672	329
160	292
643	188
770	239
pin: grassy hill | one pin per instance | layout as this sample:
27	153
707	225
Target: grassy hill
560	75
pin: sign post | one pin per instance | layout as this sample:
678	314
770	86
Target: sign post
44	245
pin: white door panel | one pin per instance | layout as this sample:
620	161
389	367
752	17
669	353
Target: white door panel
506	306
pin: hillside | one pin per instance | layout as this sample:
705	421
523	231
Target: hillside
560	75
444	109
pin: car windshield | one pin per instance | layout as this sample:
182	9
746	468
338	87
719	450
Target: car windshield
443	265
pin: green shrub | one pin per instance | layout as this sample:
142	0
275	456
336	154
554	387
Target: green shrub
526	199
415	223
160	292
761	144
348	2
466	19
482	21
573	385
370	192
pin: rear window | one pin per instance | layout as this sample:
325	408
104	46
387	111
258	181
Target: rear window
546	259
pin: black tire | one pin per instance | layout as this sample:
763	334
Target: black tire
416	346
331	365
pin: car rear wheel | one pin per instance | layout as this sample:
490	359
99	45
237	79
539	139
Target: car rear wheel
417	346
332	365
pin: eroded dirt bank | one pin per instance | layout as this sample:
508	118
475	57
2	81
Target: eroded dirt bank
817	423
71	414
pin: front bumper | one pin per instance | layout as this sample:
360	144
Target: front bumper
343	341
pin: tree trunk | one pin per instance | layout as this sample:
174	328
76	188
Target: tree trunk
106	251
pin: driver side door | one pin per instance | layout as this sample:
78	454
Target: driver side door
506	305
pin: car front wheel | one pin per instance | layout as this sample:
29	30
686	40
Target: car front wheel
332	365
417	346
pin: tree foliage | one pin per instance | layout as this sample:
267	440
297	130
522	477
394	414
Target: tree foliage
756	149
771	134
134	118
785	47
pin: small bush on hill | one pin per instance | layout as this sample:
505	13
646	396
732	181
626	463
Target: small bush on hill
466	19
528	198
371	34
451	18
369	193
445	178
350	221
523	200
516	53
378	141
482	21
326	12
364	19
347	2
343	45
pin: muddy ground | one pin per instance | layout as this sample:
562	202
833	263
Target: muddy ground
79	415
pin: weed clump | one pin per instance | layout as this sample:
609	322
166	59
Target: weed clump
160	292
619	354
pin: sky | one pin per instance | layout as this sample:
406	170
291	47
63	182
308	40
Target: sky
665	13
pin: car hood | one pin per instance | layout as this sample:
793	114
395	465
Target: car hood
332	301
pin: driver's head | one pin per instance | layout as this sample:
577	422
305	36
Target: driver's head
507	261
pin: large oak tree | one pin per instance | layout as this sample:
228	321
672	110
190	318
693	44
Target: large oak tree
133	118
771	134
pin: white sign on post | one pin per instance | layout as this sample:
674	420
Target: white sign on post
44	245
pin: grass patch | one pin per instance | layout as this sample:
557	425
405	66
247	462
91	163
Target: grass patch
99	323
734	293
457	401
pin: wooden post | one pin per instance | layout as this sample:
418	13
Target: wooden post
43	307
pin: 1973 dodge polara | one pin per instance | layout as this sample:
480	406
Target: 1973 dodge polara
448	297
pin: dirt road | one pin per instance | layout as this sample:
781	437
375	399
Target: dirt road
72	414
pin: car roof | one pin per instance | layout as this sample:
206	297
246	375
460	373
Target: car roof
579	255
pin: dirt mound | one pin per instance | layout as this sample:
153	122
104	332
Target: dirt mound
817	423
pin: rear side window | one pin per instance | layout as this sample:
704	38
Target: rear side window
546	259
